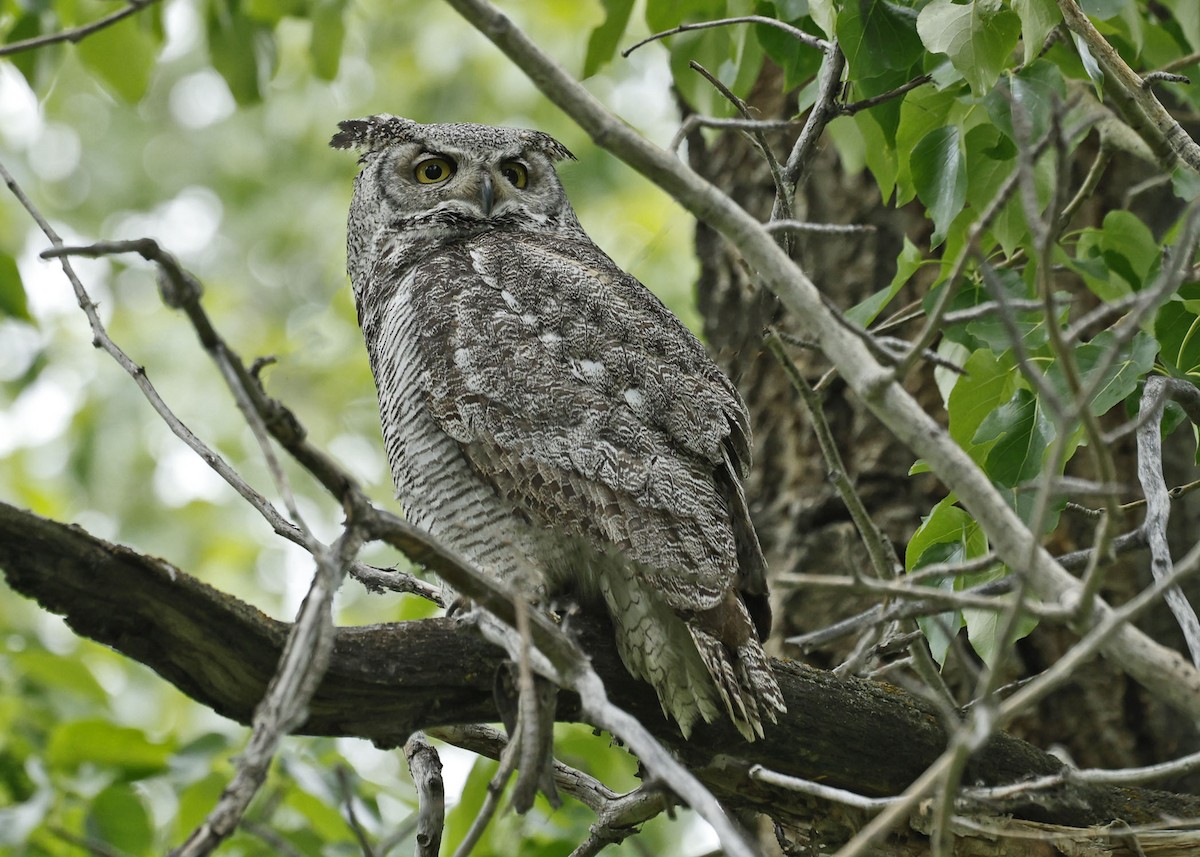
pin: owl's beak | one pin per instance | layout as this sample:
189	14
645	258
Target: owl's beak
487	194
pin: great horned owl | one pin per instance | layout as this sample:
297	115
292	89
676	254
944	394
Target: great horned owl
547	417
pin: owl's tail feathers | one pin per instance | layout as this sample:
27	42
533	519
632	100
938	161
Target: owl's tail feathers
739	668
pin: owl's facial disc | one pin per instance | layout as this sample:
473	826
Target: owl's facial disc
478	188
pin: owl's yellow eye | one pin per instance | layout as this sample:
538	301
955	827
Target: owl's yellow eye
434	170
515	172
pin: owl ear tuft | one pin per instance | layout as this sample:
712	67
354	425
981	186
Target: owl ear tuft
550	147
371	133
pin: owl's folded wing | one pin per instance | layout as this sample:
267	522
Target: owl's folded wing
593	411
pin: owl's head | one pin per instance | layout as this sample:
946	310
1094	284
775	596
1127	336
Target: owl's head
444	180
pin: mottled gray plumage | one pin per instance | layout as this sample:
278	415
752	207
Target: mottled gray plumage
546	416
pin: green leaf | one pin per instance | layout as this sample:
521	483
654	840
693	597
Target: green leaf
12	291
1129	247
948	534
122	57
923	110
1118	258
58	674
102	743
196	802
978	37
1038	18
27	26
118	817
799	62
328	35
873	148
1177	329
1187	14
664	16
989	382
908	263
602	43
1103	9
271	11
1030	323
877	37
984	626
824	16
1022	433
1094	72
323	817
1035	94
1119	380
939	171
236	45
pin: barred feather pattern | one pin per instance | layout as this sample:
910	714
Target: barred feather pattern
546	416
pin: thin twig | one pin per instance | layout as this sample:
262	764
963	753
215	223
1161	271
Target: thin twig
76	34
347	789
820	228
394	580
491	800
819	790
757	137
883	97
879	548
904	608
823	111
795	32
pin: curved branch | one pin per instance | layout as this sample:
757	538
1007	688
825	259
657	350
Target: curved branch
385	682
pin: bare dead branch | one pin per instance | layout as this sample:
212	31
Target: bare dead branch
819	228
102	340
808	787
756	135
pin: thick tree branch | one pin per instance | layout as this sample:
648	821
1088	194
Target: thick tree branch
385	682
